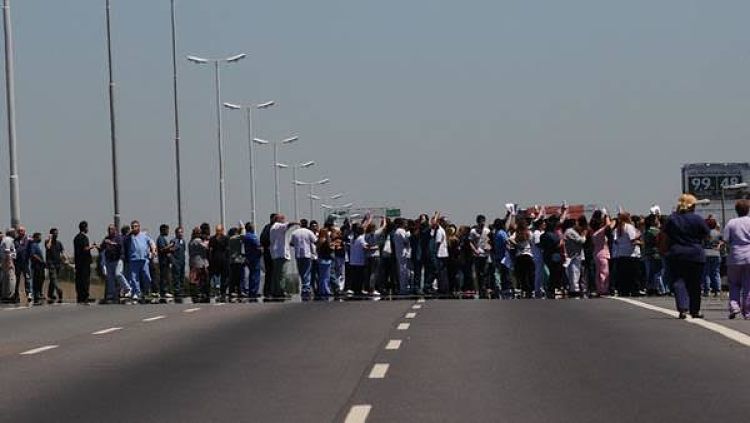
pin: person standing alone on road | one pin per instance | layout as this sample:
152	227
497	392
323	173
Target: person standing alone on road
686	232
737	236
82	259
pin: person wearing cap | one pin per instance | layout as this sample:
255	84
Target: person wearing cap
686	232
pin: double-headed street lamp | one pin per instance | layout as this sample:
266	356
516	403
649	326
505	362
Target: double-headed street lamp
310	194
303	165
732	187
250	136
277	197
217	81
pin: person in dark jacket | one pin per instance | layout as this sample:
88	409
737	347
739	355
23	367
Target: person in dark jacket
686	232
265	244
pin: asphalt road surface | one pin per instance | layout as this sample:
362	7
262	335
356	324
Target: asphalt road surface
388	361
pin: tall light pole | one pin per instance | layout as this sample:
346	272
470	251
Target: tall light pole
303	165
311	195
10	98
277	196
723	189
176	114
217	83
250	136
112	127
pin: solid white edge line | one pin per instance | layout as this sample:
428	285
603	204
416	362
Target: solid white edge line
358	413
403	326
410	315
39	350
393	344
191	310
106	331
416	306
379	370
18	308
732	334
152	319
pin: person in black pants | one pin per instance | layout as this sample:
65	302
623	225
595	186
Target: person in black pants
686	232
265	244
82	259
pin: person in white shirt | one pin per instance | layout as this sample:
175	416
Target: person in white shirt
402	254
441	252
303	241
626	255
357	262
279	254
479	240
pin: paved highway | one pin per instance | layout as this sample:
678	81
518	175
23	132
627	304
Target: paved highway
434	361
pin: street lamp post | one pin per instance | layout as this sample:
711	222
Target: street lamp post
723	189
176	113
10	98
311	195
303	165
217	82
332	208
277	196
112	131
250	137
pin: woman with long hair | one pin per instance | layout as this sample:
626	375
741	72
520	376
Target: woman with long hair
521	242
601	229
686	232
324	247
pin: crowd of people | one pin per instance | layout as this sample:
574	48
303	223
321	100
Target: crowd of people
524	254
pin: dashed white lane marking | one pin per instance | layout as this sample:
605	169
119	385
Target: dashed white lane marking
358	414
191	310
732	334
18	308
379	370
106	331
410	315
393	344
421	300
39	350
403	326
416	306
152	319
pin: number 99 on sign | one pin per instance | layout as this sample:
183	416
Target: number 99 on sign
712	183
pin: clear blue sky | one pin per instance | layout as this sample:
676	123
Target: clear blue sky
423	105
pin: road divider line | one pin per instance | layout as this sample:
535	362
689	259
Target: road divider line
732	334
410	315
39	350
421	300
358	414
379	370
106	331
155	318
18	308
393	344
191	310
416	306
403	326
